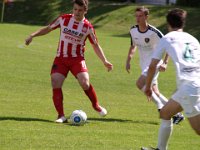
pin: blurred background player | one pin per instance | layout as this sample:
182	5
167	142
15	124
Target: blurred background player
184	50
145	37
74	30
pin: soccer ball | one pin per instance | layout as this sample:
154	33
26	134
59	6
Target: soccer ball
78	117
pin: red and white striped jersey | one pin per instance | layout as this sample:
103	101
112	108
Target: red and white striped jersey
73	35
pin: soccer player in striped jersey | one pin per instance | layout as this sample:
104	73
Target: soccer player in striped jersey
74	30
184	50
145	37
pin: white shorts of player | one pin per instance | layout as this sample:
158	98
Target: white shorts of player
155	78
188	96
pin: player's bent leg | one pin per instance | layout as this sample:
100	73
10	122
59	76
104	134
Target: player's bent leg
157	101
195	123
162	98
140	83
155	89
170	109
83	79
166	126
156	95
177	118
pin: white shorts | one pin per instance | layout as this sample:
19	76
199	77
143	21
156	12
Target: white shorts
155	78
188	96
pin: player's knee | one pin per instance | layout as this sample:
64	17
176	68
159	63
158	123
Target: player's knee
57	80
53	80
85	85
138	85
164	115
55	83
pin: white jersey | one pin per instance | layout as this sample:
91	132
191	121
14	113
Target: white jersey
184	50
146	43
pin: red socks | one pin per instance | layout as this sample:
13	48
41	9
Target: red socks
58	101
93	98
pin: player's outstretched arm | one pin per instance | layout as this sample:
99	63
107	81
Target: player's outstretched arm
40	32
98	50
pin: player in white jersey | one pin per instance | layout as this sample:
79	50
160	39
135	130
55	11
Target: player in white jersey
145	37
74	30
184	50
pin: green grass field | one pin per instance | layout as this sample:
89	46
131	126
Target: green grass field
26	108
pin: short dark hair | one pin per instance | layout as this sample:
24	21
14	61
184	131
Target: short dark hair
143	9
82	3
176	18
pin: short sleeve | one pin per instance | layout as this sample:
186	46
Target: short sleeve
56	23
92	36
131	39
132	42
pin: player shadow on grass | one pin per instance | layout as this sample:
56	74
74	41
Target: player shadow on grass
88	120
123	121
23	119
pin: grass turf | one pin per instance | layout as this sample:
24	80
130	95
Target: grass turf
26	109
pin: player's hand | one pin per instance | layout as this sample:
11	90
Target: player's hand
128	67
148	93
162	68
28	40
108	65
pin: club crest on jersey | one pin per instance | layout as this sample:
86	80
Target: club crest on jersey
84	29
147	40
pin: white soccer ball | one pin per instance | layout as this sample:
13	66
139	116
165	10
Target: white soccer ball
78	117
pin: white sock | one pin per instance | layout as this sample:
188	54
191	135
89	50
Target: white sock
155	99
163	99
165	131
